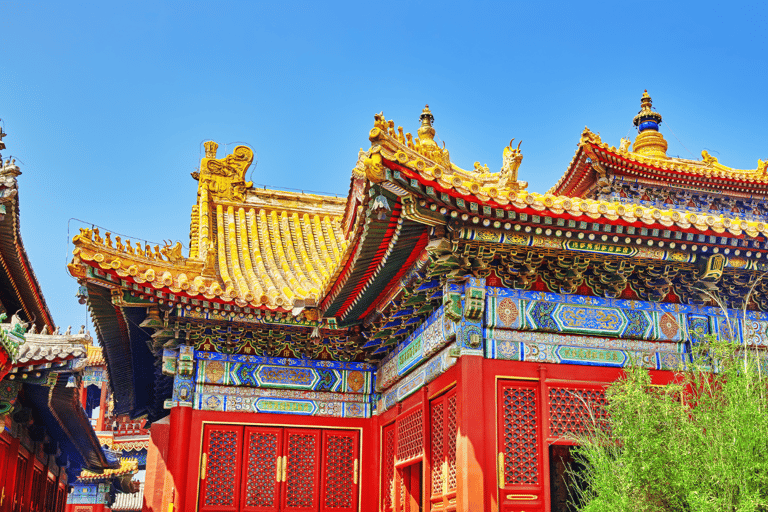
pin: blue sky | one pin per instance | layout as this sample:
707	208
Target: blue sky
107	103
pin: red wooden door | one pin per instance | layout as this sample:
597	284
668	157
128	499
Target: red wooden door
5	486
301	473
341	471
21	474
262	473
220	468
443	431
519	461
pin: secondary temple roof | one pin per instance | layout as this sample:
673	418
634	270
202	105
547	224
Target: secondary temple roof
349	278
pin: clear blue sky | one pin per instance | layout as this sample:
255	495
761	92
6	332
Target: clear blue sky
107	103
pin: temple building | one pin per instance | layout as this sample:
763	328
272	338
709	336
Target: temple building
45	436
119	488
431	342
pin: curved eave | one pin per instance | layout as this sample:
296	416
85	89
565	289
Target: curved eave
18	279
113	336
593	210
669	172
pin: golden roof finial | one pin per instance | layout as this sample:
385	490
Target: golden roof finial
649	141
210	149
426	131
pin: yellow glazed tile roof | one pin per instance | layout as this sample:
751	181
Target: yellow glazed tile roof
432	167
253	247
128	466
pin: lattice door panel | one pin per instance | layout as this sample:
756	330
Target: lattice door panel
576	411
341	471
388	468
302	470
220	469
443	430
410	436
262	469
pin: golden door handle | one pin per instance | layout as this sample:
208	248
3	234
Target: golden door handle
501	470
203	464
278	472
354	472
445	477
285	468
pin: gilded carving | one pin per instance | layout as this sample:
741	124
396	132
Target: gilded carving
225	178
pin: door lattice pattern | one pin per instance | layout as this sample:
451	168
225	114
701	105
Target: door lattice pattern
438	455
301	470
389	467
451	442
222	459
521	458
339	472
410	436
262	468
572	411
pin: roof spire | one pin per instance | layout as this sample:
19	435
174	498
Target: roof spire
426	131
649	141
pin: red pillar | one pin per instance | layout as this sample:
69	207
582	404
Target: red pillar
12	467
178	455
470	446
27	495
102	407
544	429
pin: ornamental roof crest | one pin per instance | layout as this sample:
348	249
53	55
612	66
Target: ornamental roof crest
225	178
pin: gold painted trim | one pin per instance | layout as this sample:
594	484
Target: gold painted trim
514	377
280	425
500	470
442	391
592	382
522	496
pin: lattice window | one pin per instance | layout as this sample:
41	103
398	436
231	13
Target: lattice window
221	468
340	456
520	436
438	445
388	475
263	449
575	411
450	434
410	436
302	461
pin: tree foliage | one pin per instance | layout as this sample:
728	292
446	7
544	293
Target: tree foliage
697	444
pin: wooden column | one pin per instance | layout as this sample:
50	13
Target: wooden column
178	455
544	428
10	474
102	406
27	494
471	463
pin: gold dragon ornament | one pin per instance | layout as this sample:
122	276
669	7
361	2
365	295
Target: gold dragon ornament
225	178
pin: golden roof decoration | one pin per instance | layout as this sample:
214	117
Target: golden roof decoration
128	466
432	162
649	140
258	248
488	188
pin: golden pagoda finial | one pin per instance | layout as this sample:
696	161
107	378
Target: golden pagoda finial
210	149
426	131
649	141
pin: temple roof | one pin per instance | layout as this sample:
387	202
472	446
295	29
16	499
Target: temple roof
19	288
128	466
646	162
274	250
